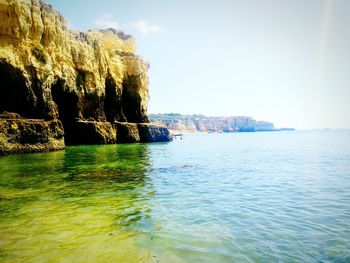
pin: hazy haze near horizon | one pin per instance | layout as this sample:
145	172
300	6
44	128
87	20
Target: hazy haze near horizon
285	61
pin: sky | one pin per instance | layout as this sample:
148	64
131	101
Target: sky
284	61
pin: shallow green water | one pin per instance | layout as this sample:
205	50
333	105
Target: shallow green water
258	197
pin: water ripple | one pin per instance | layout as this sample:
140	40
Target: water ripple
259	197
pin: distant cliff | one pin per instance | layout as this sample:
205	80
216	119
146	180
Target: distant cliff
200	123
86	83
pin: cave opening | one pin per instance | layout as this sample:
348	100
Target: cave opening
92	106
112	102
80	79
15	95
131	101
67	103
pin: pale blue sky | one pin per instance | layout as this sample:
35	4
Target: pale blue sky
285	61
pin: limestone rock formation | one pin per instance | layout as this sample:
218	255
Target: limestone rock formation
200	123
127	132
18	135
94	132
151	132
86	80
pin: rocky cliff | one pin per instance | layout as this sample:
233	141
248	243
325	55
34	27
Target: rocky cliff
200	123
88	81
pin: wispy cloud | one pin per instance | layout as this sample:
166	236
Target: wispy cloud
145	28
107	21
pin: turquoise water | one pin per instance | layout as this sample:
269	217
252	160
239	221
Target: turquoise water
239	197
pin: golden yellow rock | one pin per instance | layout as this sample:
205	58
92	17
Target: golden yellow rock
52	76
37	48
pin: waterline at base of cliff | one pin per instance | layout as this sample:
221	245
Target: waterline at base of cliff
66	87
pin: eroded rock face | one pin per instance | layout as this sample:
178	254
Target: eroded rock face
18	135
50	72
199	123
94	132
127	132
150	132
46	64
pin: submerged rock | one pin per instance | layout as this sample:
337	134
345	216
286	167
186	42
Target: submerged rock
50	72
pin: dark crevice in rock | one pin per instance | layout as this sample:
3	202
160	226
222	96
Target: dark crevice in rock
112	102
80	79
42	109
92	106
131	101
15	94
39	55
67	103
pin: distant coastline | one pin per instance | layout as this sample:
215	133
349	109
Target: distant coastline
196	123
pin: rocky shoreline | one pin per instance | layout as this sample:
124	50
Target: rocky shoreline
20	135
178	123
64	87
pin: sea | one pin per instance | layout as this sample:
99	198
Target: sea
220	197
